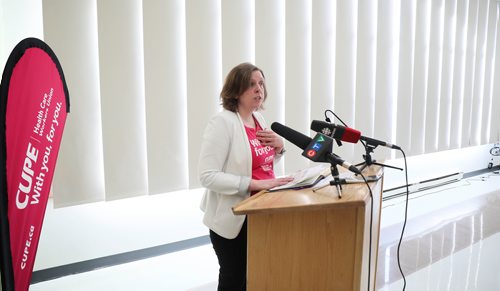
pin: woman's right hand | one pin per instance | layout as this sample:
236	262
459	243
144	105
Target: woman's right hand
258	185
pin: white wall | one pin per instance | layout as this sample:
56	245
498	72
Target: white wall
26	17
89	231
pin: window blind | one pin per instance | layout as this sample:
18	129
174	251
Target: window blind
145	77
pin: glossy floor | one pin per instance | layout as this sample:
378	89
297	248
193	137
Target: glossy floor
451	243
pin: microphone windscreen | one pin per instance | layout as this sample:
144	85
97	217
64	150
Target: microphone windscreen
351	135
293	136
322	127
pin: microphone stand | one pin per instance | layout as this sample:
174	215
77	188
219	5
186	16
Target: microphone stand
369	161
337	182
368	149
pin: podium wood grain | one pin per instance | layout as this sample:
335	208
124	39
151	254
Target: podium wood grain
305	240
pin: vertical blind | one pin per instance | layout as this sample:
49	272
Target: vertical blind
145	76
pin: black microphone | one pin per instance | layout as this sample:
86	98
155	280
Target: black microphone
347	134
317	149
291	135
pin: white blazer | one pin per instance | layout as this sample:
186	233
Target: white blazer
225	170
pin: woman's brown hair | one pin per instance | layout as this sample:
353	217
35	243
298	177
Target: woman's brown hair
237	82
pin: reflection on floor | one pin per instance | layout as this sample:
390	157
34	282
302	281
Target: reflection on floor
450	243
472	268
450	247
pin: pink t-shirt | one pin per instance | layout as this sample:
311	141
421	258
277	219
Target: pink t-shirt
262	156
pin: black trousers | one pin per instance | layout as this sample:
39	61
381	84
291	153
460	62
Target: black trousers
232	256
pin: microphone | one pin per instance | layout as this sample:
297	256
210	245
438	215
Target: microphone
317	149
291	135
347	134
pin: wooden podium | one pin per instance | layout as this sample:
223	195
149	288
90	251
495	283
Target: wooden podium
305	240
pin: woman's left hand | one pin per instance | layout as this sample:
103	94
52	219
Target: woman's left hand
257	185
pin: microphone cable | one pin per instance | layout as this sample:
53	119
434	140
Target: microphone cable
371	218
404	221
327	119
402	231
371	230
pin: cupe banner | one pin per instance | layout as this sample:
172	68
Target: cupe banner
34	102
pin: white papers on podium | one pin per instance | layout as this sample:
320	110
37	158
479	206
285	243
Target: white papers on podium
306	178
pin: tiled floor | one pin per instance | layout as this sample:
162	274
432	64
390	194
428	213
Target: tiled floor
451	243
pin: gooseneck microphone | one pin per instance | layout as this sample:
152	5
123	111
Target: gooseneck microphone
317	149
347	134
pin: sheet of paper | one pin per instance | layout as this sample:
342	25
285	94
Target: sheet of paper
303	176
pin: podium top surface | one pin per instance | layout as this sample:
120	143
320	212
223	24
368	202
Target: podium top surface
353	195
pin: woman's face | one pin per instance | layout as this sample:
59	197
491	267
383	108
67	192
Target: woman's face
253	97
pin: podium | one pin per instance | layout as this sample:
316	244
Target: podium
305	240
